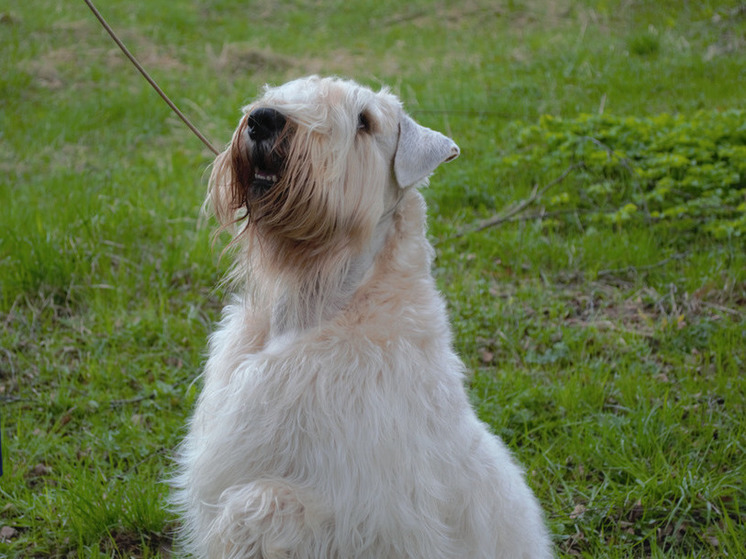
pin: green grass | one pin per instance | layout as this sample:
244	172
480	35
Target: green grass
610	357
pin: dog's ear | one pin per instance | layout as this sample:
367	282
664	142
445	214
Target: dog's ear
419	151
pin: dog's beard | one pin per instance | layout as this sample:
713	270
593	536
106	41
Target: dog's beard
304	208
257	168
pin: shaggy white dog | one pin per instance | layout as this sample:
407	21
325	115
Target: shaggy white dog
333	422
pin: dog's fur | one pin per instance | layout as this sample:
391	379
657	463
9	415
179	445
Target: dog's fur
333	422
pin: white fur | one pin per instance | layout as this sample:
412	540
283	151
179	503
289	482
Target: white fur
348	433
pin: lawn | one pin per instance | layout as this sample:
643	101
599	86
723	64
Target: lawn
600	306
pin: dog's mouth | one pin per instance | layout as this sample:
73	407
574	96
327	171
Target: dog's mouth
267	133
264	181
268	162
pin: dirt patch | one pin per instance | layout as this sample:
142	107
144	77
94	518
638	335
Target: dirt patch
644	311
240	58
85	47
129	543
262	63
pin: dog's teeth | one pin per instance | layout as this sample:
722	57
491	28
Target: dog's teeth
269	178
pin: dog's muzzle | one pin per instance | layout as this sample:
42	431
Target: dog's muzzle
265	127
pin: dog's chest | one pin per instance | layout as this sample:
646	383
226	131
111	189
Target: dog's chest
310	406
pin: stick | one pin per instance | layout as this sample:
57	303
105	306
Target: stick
637	269
520	206
150	80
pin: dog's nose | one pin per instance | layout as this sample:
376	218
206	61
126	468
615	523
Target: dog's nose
265	123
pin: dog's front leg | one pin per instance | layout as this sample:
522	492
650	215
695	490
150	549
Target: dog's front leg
264	520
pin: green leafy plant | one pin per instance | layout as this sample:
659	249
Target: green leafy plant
667	168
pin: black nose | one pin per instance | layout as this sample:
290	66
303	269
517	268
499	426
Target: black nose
265	123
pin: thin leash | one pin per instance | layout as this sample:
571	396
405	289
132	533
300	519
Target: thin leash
150	80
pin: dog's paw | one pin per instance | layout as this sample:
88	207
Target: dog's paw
263	520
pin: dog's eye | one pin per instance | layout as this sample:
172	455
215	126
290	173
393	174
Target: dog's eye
363	122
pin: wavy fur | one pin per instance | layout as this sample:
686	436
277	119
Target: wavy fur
333	422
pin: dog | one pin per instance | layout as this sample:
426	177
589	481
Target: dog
333	421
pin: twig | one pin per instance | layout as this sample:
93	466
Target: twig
721	308
638	269
545	215
462	112
148	396
512	210
136	399
13	399
401	18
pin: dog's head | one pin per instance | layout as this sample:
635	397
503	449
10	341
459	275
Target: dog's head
314	164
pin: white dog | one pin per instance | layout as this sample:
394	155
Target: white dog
333	422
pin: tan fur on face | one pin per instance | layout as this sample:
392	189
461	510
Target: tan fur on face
305	231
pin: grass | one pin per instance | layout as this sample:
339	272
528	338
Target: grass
610	358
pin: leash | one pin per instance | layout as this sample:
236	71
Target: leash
150	80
